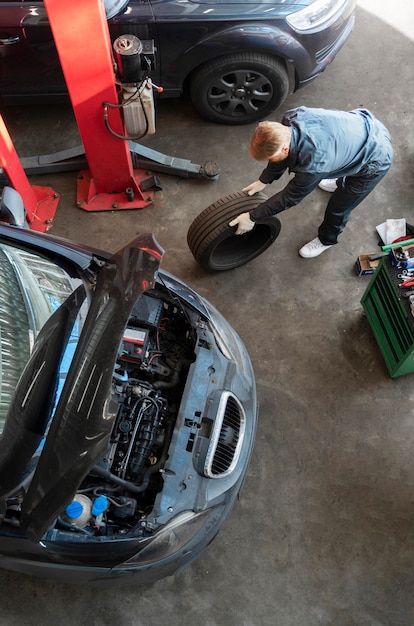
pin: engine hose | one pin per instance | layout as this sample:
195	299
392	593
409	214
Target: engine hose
173	382
160	463
106	105
107	475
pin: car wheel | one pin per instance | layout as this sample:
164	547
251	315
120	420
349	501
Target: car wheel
214	244
240	88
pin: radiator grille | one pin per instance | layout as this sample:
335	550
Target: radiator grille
227	437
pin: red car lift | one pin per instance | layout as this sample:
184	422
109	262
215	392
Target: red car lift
81	35
113	179
86	58
40	202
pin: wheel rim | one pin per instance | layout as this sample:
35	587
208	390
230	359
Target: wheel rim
234	250
240	93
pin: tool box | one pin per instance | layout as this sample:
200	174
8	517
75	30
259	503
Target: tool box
389	314
365	266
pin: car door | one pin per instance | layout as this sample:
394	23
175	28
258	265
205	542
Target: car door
29	63
30	70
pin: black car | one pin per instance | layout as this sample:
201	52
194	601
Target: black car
127	415
238	59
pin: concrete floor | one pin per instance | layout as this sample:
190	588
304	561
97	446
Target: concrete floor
323	532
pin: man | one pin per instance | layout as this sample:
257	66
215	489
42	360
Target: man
352	148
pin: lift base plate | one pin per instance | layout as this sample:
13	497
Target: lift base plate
89	199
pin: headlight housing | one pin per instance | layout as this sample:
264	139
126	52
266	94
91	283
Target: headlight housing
225	337
175	535
317	16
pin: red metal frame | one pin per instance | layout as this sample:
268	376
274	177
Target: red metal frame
83	43
40	202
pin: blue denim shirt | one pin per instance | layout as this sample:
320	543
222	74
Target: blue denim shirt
325	144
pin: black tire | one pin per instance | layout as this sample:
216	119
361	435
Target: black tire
240	88
214	244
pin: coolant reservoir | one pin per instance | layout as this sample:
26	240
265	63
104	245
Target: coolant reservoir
79	511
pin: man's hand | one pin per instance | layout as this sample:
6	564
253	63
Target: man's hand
243	222
254	188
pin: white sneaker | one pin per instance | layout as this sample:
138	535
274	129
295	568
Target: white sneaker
313	248
328	184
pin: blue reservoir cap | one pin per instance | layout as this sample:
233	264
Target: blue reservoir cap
74	509
100	505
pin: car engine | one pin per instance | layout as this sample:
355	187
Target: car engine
148	382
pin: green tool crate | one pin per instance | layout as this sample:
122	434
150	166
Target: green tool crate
390	318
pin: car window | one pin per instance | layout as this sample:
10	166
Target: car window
31	289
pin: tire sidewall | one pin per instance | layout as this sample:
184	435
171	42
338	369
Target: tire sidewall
211	228
207	261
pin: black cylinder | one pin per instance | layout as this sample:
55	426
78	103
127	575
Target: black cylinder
127	49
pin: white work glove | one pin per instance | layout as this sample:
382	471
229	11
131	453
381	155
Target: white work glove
243	222
254	187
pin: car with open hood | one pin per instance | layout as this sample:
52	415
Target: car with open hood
237	59
127	416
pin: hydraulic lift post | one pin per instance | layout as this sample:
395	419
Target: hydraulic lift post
81	35
40	202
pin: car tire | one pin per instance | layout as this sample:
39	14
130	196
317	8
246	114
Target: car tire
214	244
240	88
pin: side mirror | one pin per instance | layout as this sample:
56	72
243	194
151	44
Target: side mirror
12	208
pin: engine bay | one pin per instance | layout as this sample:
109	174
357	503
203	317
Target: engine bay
151	370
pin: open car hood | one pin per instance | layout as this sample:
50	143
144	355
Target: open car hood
84	415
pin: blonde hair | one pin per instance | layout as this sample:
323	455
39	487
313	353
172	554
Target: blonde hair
268	139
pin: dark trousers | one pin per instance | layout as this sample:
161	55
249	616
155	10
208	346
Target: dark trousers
351	191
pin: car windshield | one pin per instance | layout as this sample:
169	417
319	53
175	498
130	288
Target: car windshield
31	290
